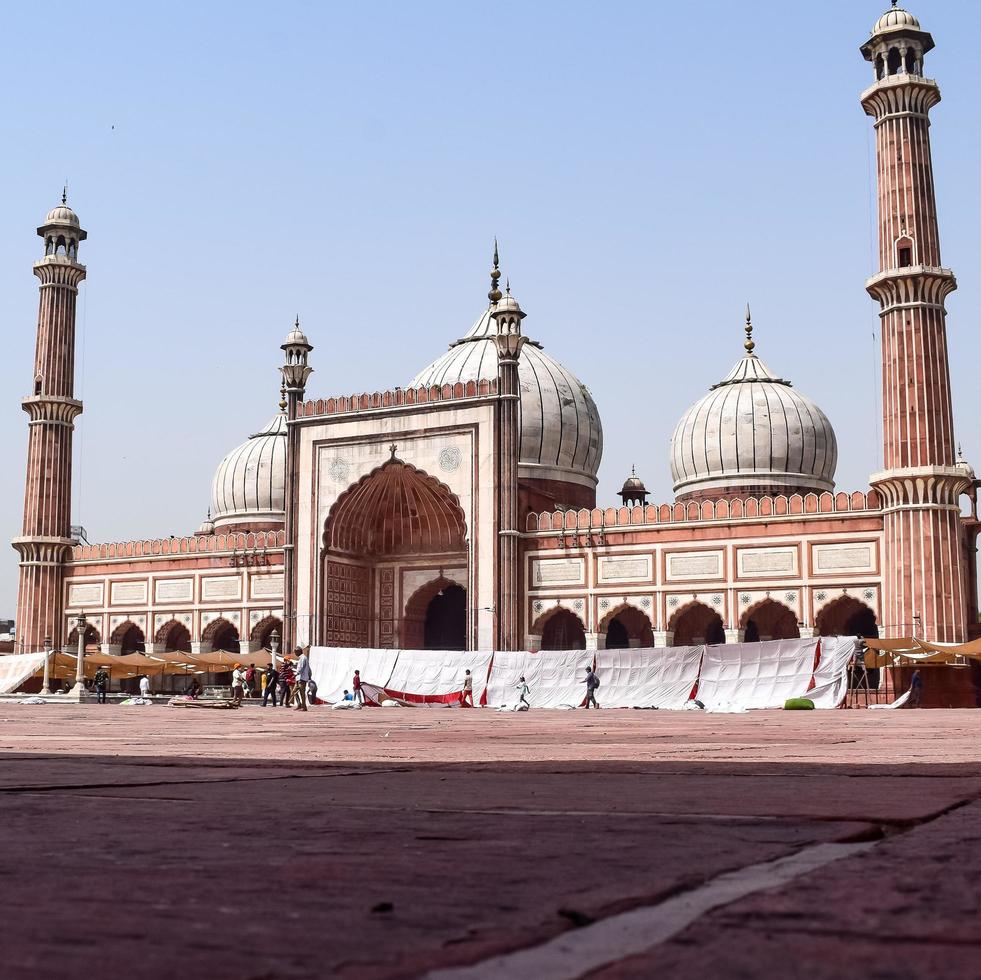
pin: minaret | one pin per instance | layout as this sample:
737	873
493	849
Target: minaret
52	408
509	340
920	485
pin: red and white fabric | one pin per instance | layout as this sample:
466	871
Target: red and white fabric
647	678
437	675
556	678
831	673
333	669
741	676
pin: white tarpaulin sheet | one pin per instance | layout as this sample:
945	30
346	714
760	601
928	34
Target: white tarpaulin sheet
898	703
659	678
437	675
16	668
831	675
557	678
333	669
739	676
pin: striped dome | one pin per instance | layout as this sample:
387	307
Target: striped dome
753	433
896	19
249	485
561	433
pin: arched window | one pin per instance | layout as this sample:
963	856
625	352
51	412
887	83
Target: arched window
880	67
895	61
911	65
39	385
904	253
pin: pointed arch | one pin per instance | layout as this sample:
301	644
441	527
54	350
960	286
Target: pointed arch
222	635
847	616
128	637
696	623
262	630
769	620
395	509
93	639
173	635
626	625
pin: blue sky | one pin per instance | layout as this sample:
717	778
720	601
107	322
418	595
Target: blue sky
648	167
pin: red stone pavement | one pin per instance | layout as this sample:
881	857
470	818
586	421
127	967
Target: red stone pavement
158	842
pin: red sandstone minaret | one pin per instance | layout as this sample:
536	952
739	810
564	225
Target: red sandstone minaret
52	409
920	485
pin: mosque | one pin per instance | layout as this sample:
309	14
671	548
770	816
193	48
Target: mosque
460	511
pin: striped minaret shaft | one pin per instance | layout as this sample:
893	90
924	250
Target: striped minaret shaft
924	590
51	407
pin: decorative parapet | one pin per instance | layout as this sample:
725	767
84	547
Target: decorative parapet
397	398
745	508
178	547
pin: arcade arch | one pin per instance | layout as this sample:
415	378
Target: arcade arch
695	624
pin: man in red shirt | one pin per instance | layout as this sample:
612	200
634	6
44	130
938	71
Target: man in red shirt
356	686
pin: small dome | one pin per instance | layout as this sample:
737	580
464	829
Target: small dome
753	433
207	526
633	484
296	336
561	433
895	20
62	215
249	485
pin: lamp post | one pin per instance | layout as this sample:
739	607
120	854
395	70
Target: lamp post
46	683
273	646
80	623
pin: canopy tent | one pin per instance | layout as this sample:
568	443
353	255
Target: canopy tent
661	678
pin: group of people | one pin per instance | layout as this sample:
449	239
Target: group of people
290	684
524	691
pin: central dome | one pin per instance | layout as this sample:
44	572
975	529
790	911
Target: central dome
753	434
561	433
248	492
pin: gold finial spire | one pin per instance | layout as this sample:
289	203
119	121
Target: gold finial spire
495	291
282	396
64	194
749	344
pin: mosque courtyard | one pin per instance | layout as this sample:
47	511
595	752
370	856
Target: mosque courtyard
153	842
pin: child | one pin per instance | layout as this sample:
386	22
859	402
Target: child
524	691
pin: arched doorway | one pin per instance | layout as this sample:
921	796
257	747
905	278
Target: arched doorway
222	635
696	624
263	630
92	640
129	638
563	631
373	540
770	620
173	636
846	616
445	626
627	627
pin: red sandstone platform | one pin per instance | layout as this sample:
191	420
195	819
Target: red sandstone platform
151	842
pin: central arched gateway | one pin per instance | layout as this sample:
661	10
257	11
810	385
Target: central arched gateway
395	564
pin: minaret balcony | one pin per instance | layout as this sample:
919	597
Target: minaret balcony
912	285
900	95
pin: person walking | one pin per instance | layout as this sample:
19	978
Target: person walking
915	690
272	681
356	687
523	691
238	684
303	677
592	682
250	681
287	681
101	684
467	693
144	686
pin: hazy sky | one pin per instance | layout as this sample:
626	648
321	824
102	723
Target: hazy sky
648	167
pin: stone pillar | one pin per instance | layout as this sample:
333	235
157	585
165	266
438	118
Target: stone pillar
45	542
595	641
735	636
507	315
663	638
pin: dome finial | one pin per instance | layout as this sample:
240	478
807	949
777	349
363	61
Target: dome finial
64	193
749	344
495	291
282	396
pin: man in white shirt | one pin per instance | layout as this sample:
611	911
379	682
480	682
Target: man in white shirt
303	675
144	686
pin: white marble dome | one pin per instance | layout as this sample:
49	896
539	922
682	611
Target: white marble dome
249	485
895	20
753	432
561	433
